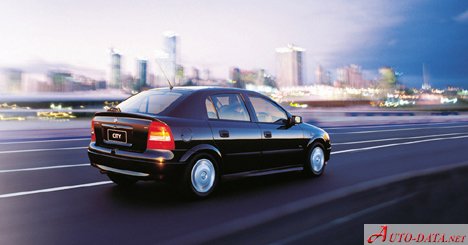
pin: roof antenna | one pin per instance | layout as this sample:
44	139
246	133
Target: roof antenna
164	73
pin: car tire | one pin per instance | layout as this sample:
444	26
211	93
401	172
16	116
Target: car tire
121	180
315	160
201	176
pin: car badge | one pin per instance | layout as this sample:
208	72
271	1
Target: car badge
115	120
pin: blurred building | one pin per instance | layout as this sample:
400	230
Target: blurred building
61	81
242	78
142	75
206	74
11	81
167	62
180	75
425	85
235	76
260	77
387	78
195	74
35	82
129	82
322	76
100	84
319	75
116	70
290	66
151	79
170	48
351	76
355	77
192	77
3	83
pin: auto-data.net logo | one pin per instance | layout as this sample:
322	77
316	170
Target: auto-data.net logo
415	234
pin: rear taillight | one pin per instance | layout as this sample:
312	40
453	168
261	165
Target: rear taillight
160	137
93	135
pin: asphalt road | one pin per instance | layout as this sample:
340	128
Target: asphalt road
50	195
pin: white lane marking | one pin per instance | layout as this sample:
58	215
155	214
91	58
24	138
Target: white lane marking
400	129
391	125
342	220
48	149
108	182
44	168
61	188
396	144
392	139
42	141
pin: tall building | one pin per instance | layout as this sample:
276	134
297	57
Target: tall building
170	48
290	66
142	74
319	75
355	77
425	85
351	76
116	71
322	76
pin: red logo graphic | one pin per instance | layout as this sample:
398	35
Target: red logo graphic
406	236
383	234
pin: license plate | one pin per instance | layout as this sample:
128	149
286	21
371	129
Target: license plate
117	135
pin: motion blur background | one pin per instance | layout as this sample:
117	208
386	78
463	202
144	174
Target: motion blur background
62	60
388	80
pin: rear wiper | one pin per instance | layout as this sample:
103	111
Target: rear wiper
114	109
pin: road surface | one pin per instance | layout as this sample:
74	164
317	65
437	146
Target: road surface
50	195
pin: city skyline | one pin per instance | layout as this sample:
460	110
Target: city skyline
219	35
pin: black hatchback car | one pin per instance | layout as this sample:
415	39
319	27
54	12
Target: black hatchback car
195	135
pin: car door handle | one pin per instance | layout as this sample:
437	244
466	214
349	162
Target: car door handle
267	134
224	133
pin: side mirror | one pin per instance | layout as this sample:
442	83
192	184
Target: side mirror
296	120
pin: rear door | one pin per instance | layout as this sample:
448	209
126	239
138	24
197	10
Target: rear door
282	144
237	137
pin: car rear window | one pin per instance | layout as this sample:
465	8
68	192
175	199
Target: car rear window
149	102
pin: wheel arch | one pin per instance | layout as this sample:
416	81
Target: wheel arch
203	148
322	142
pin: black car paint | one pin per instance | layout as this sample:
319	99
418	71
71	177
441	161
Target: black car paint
237	146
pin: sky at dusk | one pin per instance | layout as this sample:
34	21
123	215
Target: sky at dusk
244	33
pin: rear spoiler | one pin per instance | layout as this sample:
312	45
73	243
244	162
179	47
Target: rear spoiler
125	114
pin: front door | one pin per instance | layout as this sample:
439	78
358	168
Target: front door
235	135
282	143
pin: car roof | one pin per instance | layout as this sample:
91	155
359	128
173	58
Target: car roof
199	88
194	97
205	90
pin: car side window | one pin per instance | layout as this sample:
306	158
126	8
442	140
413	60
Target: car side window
210	109
267	111
230	107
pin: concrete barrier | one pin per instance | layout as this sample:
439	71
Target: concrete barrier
351	117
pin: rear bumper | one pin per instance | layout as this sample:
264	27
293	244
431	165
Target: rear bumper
151	165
